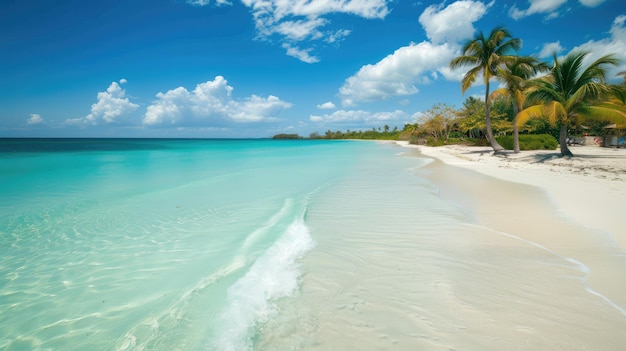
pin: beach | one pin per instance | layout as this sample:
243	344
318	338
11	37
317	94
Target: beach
482	256
582	222
590	188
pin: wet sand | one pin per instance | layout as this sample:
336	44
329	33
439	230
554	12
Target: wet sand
463	261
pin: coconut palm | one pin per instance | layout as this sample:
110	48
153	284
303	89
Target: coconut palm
485	55
571	93
514	74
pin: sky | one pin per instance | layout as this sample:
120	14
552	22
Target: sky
256	68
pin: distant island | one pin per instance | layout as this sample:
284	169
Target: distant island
287	136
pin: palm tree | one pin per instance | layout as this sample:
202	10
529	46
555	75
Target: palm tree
485	55
514	74
571	93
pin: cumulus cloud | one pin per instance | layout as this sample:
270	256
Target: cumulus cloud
210	102
454	22
327	106
397	74
367	117
297	21
112	104
34	118
549	49
537	6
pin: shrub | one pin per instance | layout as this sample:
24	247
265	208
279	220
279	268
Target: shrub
435	142
530	142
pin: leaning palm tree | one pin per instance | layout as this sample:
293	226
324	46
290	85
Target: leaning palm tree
571	93
514	75
485	55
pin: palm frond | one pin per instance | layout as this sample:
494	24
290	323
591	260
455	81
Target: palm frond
531	112
607	112
463	61
556	112
469	78
498	93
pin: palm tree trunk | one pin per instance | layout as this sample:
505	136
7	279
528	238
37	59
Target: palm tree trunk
494	144
563	141
515	130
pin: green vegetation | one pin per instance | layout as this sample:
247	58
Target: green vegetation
570	94
374	134
286	136
530	142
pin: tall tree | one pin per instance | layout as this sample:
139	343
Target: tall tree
439	121
571	93
514	74
485	55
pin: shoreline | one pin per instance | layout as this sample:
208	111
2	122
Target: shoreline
589	188
414	253
575	216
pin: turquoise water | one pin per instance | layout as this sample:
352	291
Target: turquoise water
156	244
109	244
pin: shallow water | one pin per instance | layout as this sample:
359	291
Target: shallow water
153	244
273	245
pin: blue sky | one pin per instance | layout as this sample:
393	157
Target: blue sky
255	68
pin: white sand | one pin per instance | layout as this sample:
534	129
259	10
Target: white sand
589	192
590	187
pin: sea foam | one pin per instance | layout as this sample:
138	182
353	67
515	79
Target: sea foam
273	275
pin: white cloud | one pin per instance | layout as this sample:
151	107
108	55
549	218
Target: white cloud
400	72
537	6
550	48
397	74
454	22
327	106
34	118
301	29
367	117
210	102
615	44
112	104
207	2
256	108
591	3
298	20
302	55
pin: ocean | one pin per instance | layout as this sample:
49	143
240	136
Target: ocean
164	244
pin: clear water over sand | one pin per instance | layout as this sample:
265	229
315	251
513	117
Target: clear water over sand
285	245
